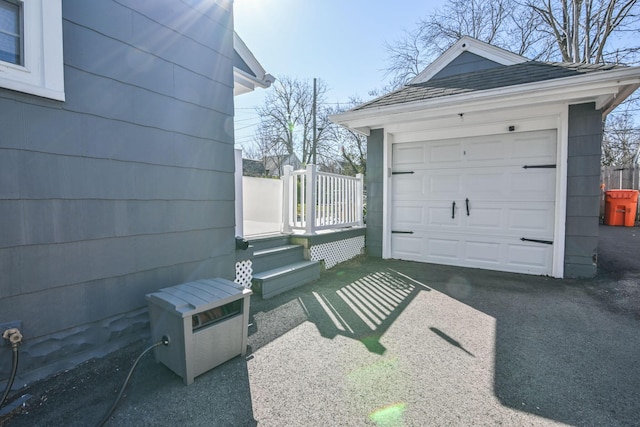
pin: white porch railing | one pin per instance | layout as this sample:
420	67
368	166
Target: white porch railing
316	200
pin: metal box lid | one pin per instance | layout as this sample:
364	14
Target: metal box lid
190	298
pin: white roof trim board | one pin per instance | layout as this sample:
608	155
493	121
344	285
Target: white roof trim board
606	87
246	82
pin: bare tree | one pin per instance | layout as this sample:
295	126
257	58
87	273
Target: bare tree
268	147
352	145
286	122
582	31
582	28
621	142
503	23
563	30
280	113
408	56
480	19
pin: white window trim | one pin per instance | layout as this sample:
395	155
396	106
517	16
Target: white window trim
43	71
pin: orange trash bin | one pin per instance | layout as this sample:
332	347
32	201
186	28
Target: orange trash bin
621	207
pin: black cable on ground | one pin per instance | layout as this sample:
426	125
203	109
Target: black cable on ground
164	341
14	368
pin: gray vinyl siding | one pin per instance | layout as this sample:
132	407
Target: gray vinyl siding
466	62
124	188
583	190
374	178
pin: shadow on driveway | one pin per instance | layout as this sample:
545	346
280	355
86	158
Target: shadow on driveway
563	349
351	301
392	343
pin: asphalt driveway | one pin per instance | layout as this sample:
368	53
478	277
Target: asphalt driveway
392	343
619	249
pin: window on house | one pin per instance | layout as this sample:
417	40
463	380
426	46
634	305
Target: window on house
11	32
31	58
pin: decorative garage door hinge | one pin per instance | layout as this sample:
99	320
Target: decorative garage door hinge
402	173
546	242
401	232
539	167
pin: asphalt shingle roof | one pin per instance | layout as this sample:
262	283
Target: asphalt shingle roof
510	75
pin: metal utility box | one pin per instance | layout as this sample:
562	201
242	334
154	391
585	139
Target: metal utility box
206	322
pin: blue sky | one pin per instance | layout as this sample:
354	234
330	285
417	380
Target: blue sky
338	41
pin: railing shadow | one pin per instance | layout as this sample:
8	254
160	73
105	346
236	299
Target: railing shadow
549	347
361	307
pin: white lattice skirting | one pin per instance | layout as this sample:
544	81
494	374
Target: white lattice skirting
336	252
244	273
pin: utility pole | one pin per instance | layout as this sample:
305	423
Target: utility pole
314	122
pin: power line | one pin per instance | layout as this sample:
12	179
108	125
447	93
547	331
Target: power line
245	120
244	139
248	126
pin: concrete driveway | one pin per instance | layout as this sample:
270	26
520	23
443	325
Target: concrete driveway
392	343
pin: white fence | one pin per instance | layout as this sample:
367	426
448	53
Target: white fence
315	201
262	206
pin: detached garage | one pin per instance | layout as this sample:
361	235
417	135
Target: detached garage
489	160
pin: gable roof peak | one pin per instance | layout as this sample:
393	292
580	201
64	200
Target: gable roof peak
472	45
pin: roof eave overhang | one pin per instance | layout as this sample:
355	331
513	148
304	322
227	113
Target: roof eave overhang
246	82
606	89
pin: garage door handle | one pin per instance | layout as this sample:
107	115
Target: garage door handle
467	206
539	167
401	232
546	242
453	210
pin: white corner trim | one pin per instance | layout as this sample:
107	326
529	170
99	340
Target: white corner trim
468	44
561	192
387	144
43	70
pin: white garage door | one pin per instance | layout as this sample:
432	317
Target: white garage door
485	202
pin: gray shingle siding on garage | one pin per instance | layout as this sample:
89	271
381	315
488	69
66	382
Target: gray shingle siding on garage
466	62
583	190
374	183
124	188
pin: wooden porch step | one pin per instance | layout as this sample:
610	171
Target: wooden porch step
270	258
267	242
278	280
